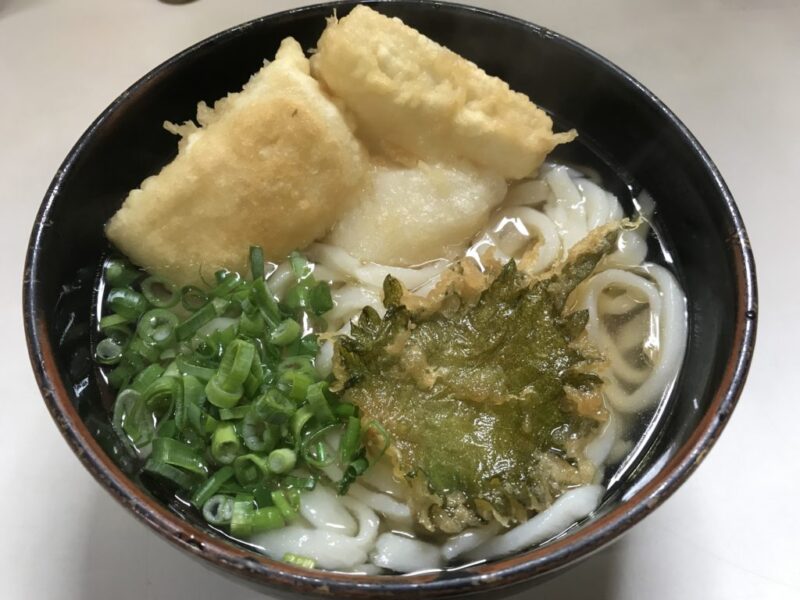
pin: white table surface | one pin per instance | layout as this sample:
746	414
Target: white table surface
729	69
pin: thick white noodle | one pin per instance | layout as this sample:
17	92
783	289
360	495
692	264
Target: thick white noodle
380	477
281	279
569	209
529	223
570	507
600	447
321	508
348	302
385	505
324	361
404	554
631	251
672	338
531	192
469	540
329	549
351	269
664	343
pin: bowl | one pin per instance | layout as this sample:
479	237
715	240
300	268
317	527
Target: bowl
627	136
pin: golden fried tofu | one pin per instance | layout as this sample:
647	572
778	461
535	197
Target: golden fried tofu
274	165
412	96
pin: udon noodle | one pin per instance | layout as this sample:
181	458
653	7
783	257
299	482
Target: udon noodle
637	319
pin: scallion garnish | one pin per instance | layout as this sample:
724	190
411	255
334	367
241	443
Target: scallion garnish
159	292
297	560
226	403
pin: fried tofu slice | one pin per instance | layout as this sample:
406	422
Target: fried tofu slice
412	96
274	165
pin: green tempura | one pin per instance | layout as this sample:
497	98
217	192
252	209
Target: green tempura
475	400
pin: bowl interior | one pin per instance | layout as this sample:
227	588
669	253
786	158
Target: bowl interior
626	135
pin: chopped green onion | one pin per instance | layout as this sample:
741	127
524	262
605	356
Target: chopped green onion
160	395
194	322
151	409
235	413
252	324
345	409
282	504
211	486
220	397
232	487
121	375
126	399
298	421
108	352
178	477
264	300
293	495
187	406
353	470
296	384
177	454
244	395
127	302
242	517
191	438
218	510
251	469
258	435
227	282
319	298
318	403
220	306
198	371
168	429
120	273
314	450
146	377
225	446
157	327
262	494
302	483
296	298
257	262
225	388
266	518
116	326
303	364
286	332
159	292
350	440
274	407
299	561
192	389
193	298
139	348
308	345
282	460
300	266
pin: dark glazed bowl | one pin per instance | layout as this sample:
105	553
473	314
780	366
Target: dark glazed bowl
627	135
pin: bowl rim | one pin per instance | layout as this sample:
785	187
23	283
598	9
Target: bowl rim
505	572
